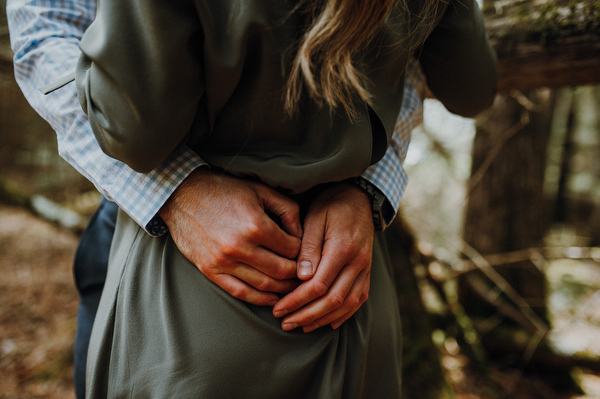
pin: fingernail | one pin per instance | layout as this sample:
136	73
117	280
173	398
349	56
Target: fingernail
308	329
305	268
273	303
336	325
289	326
280	313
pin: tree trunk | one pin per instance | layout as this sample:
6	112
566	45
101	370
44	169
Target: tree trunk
505	209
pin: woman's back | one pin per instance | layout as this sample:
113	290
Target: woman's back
219	81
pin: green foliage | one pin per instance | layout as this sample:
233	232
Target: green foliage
558	18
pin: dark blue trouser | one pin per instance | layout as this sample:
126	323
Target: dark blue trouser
91	263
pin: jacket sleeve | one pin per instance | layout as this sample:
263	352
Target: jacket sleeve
139	78
459	61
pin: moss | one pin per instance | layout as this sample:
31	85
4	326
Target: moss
552	19
522	11
565	18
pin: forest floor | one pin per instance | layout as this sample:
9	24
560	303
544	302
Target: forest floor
38	304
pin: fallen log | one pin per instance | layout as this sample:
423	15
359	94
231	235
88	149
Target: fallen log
12	194
547	43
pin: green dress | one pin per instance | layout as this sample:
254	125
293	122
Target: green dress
209	73
163	330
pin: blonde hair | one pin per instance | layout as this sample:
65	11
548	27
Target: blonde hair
325	61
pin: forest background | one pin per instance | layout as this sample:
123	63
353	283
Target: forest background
497	248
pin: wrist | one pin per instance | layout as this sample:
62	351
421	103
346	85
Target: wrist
380	206
180	195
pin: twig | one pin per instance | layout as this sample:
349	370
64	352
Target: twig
438	147
494	298
538	256
525	102
487	269
540	329
533	344
493	153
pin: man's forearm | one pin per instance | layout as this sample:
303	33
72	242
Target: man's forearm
42	56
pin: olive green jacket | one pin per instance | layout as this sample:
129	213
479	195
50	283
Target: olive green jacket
210	73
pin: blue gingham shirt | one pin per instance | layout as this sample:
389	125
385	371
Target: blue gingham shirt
45	37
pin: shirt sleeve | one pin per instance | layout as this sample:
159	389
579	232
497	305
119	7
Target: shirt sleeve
45	38
388	175
140	80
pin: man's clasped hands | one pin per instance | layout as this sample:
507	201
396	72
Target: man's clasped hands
314	272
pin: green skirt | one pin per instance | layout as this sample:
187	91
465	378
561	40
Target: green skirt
163	330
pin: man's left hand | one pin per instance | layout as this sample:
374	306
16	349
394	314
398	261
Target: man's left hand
334	259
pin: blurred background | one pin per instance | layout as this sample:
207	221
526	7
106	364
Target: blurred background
497	247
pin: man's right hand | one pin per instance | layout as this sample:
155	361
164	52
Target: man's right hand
221	225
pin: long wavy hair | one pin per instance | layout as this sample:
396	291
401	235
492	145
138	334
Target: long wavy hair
337	31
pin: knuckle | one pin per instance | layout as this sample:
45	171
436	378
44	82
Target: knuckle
253	228
231	248
318	288
210	270
335	300
296	244
354	245
295	208
237	292
289	210
284	272
277	270
364	297
263	284
277	273
310	249
364	257
220	258
354	301
361	261
348	248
